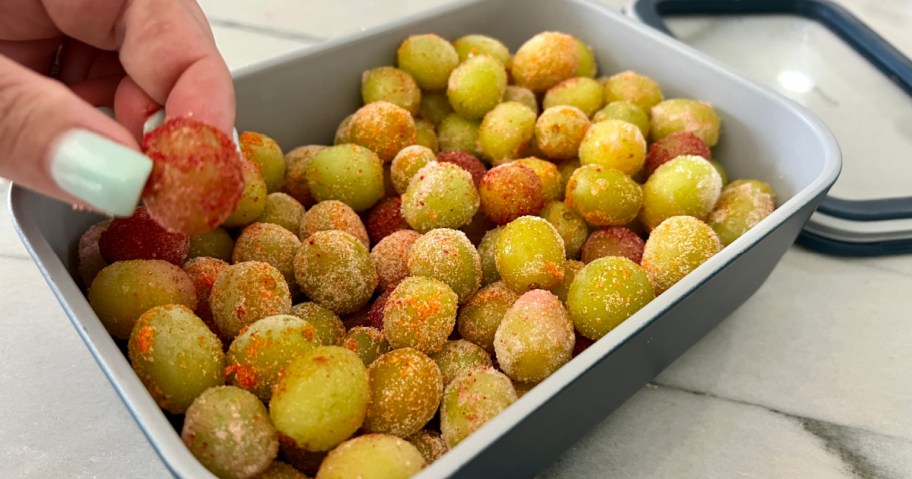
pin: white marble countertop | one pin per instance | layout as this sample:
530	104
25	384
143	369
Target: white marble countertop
811	377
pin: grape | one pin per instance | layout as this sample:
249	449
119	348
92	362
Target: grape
271	244
473	398
203	271
335	270
683	114
296	162
263	349
674	145
604	196
571	227
390	256
384	128
372	456
625	111
140	237
469	46
385	218
548	174
457	133
122	291
321	398
427	135
391	85
506	131
429	59
215	243
466	161
477	228
343	131
447	255
521	95
605	293
614	144
88	260
281	470
560	130
630	86
460	355
509	191
581	92
283	210
613	241
441	195
407	162
476	86
742	205
229	432
197	176
435	106
253	197
571	268
420	313
328	328
676	247
367	342
535	337
566	169
530	253
375	313
480	316
246	292
586	65
267	154
406	387
301	459
486	252
545	60
429	443
721	170
686	185
348	173
175	355
333	215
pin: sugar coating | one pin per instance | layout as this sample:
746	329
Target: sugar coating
392	85
530	254
613	241
328	328
459	355
385	218
571	268
88	257
604	196
636	88
295	183
215	243
420	313
742	204
548	174
427	135
457	133
350	173
367	342
372	456
253	197
473	398
429	443
447	255
509	191
535	337
429	59
676	247
466	161
545	60
572	227
390	256
343	131
559	130
686	185
333	215
606	292
440	195
480	316
521	95
614	144
384	128
674	145
581	92
335	270
506	132
407	162
468	46
269	243
283	210
435	106
685	114
375	313
246	292
625	111
139	236
487	249
406	387
203	271
267	154
476	86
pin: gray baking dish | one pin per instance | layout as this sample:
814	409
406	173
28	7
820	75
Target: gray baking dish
302	97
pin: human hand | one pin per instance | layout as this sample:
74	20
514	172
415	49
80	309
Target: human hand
132	55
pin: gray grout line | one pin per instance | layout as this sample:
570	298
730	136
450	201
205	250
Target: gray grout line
288	35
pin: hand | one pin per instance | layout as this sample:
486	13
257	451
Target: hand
132	55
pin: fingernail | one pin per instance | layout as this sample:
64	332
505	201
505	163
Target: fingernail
107	175
154	121
237	140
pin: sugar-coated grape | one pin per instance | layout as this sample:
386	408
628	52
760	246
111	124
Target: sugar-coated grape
535	337
216	243
545	60
580	92
384	128
420	313
469	46
471	399
487	249
603	196
343	131
407	162
477	228
246	292
335	270
742	204
267	154
630	86
586	64
686	185
521	95
560	130
676	247
175	355
466	161
530	253
385	218
455	132
506	131
571	227
406	386
281	470
391	85
447	255
390	256
674	145
253	197
283	210
509	191
480	316
88	259
372	456
203	271
605	293
367	342
613	241
435	106
571	267
295	183
625	111
476	86
429	443
684	114
427	135
332	215
440	195
548	174
566	169
429	59
614	144
459	355
141	237
328	328
269	243
348	173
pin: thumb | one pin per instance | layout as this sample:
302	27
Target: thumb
53	142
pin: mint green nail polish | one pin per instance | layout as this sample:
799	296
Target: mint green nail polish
106	175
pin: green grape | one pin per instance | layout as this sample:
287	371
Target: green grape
420	313
335	270
460	355
509	191
321	398
253	198
530	253
682	114
203	271
267	154
535	337
263	349
469	46
427	135
429	443
560	130
348	173
246	292
721	170
605	293
296	162
271	244
566	169
581	92
407	162
372	456
457	133
571	268
447	255
548	174
281	470
506	131
571	227
742	204
625	111
283	210
333	215
586	65
343	131
440	195
476	86
604	196
486	251
228	430
392	85
406	387
686	185
429	59
175	355
614	144
124	290
545	60
521	95
522	388
328	328
435	106
216	243
630	86
480	316
390	256
368	343
676	247
473	398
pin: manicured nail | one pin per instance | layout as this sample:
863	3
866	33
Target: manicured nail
107	175
237	140
154	121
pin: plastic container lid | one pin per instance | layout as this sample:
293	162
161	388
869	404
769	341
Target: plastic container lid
818	54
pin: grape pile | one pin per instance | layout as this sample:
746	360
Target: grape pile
357	308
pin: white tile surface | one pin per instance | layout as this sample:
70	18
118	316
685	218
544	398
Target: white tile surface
243	47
